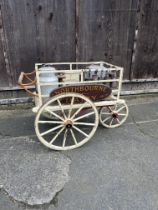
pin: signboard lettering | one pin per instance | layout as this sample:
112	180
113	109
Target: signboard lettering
94	92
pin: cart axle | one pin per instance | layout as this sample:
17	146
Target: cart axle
115	115
68	124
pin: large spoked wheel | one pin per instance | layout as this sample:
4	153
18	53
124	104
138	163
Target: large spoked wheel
113	116
74	121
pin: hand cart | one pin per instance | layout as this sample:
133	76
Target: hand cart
71	99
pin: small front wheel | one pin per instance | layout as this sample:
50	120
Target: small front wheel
73	121
113	116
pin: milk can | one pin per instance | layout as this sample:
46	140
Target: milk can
47	77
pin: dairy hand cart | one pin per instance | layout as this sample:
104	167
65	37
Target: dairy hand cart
71	99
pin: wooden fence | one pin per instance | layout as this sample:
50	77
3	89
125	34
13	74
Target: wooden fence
123	32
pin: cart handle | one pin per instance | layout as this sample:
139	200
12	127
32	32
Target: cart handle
26	85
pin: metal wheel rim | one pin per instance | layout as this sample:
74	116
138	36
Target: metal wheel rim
87	138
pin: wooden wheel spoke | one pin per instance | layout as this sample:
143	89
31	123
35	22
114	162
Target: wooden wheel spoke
121	114
78	110
55	137
51	130
71	105
109	108
111	121
73	136
83	123
49	122
80	131
118	121
65	137
83	116
54	114
62	110
106	119
115	107
120	109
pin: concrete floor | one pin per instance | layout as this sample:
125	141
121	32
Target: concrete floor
116	170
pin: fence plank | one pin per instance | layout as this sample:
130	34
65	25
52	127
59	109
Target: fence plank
4	77
38	31
64	30
3	72
106	31
146	55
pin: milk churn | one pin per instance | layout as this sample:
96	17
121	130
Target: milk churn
47	76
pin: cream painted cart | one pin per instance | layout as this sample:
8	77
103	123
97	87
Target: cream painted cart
71	99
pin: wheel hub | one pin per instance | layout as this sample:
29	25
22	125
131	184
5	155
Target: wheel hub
114	114
68	123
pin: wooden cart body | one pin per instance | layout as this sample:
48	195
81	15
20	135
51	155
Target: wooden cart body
79	88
